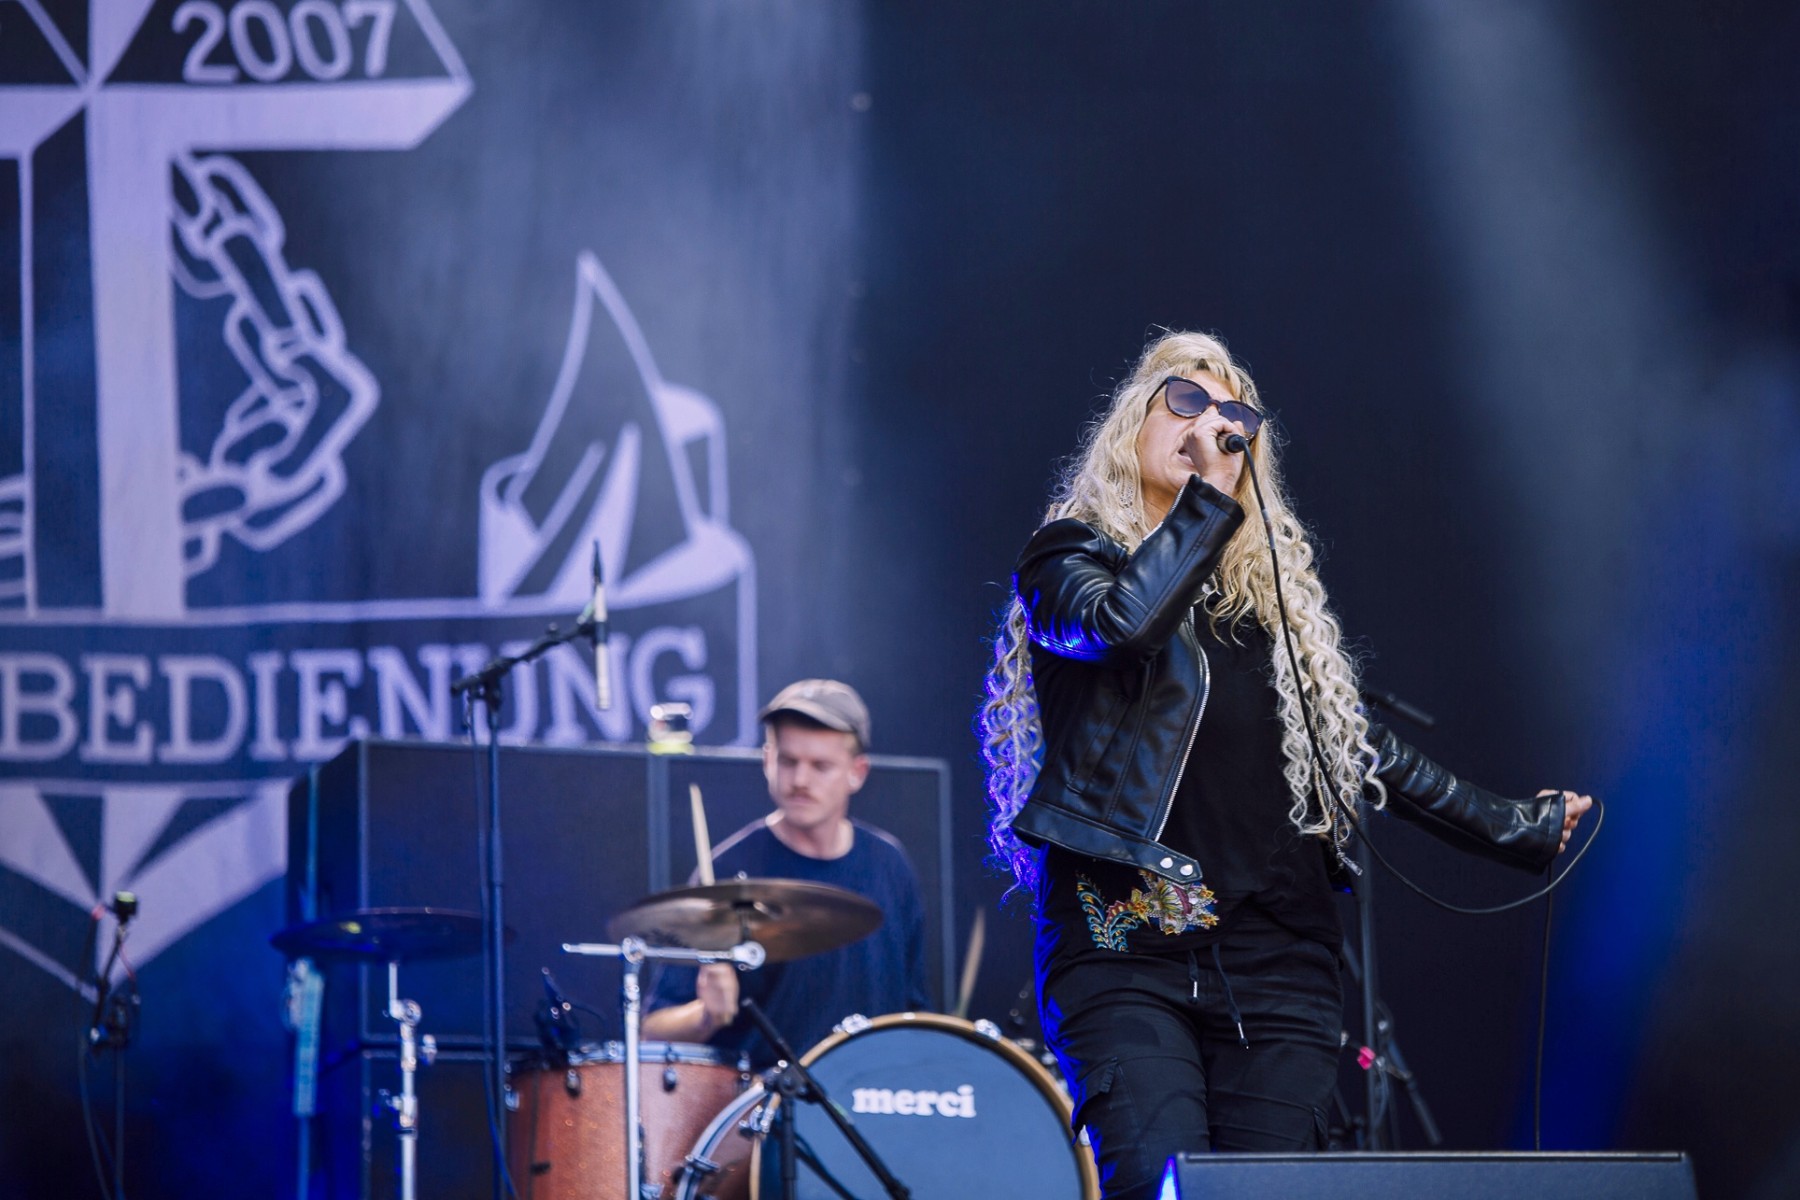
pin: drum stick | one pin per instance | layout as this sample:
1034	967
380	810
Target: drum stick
971	962
702	842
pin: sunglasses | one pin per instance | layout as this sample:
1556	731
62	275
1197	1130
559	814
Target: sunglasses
1186	398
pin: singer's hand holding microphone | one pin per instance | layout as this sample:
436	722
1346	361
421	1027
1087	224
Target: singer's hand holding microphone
1214	448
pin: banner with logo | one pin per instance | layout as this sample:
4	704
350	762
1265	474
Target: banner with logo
334	335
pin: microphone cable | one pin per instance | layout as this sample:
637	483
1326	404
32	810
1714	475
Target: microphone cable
1328	799
1537	1086
491	1102
1238	444
84	1053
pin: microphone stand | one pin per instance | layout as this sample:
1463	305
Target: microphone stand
795	1082
111	1028
1389	1062
1377	1033
485	685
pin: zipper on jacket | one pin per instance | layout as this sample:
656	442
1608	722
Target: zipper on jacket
1168	804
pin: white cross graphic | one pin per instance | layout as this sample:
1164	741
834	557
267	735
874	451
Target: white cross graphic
135	132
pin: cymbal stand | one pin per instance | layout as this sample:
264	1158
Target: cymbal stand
413	1047
632	953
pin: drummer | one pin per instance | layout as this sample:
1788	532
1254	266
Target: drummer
815	757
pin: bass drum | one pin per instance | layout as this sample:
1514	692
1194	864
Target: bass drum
954	1112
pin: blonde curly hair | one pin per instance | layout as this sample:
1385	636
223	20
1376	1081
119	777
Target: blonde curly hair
1101	487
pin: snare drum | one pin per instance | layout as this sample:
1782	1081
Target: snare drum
954	1112
567	1139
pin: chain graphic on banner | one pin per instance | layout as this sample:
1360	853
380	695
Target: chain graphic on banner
278	461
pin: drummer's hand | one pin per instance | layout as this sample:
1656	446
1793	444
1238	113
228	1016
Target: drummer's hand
717	990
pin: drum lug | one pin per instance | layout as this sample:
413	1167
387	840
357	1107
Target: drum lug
572	1082
988	1029
853	1024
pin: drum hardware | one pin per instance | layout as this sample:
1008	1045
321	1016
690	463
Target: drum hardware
718	1166
393	936
792	1082
904	1077
632	953
414	1048
745	922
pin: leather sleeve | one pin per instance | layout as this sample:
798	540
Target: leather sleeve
1086	599
1520	833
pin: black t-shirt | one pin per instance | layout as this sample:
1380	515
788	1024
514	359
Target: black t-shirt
882	973
1230	814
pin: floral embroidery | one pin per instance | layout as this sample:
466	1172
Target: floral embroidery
1172	907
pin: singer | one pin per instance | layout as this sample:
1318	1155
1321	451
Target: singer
1155	789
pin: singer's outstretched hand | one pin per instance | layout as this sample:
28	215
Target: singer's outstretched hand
1574	806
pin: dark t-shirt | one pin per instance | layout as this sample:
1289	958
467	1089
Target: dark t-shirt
1230	814
882	973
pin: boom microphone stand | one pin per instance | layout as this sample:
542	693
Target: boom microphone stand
114	1008
485	685
795	1082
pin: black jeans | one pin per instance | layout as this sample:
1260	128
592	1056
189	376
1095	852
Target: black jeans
1151	1048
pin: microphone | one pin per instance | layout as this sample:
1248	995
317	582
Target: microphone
558	1001
597	633
555	1020
1233	443
124	906
1401	708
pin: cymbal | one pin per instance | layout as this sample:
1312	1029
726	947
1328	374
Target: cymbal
386	935
790	918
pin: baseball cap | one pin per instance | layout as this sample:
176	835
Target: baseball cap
832	704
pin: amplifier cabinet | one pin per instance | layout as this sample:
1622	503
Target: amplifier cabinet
586	832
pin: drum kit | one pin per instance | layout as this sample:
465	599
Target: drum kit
905	1104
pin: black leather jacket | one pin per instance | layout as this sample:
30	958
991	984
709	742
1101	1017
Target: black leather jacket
1121	685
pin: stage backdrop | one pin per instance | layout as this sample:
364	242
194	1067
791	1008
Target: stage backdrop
343	328
338	334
